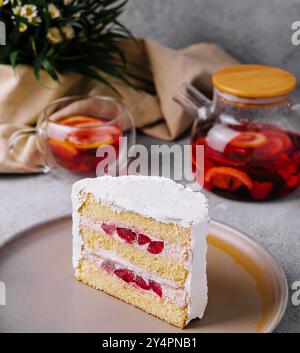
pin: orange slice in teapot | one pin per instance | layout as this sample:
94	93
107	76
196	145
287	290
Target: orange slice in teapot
227	178
278	142
249	139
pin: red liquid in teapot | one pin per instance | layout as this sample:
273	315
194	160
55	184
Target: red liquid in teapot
250	161
73	141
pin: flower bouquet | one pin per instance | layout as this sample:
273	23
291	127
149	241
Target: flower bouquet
58	36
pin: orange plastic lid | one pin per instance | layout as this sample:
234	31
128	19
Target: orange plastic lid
254	81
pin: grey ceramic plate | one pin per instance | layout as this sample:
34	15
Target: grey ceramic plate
247	288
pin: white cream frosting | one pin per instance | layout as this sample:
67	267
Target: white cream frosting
151	196
196	283
165	201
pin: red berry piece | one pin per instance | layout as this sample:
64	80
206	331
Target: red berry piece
128	235
293	180
126	275
156	287
108	228
142	283
261	190
155	247
108	266
143	239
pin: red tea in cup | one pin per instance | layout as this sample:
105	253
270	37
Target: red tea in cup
73	141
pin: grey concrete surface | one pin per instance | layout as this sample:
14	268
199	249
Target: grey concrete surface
27	200
256	31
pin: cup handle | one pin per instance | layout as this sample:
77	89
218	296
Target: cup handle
13	144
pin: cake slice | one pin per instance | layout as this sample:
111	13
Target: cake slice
143	240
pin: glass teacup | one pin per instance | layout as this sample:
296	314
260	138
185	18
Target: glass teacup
72	130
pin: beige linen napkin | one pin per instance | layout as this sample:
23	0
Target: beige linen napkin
156	70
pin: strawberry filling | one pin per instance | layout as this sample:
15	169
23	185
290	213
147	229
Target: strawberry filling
129	276
108	228
143	239
126	275
156	287
126	234
142	283
154	247
108	266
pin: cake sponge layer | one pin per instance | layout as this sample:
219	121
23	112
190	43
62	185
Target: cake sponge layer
95	277
160	265
98	212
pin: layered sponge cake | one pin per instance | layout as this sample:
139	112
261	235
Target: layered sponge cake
143	240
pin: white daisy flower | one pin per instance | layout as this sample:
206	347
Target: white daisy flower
54	35
53	11
68	32
22	27
16	10
35	20
29	11
3	2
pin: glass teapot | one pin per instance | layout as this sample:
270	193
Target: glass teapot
250	132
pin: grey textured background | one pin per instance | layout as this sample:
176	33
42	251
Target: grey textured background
254	31
251	30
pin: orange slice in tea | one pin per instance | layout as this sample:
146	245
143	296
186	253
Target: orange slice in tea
278	142
249	139
227	178
80	121
62	148
89	138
